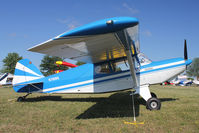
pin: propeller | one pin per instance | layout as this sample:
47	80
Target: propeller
187	61
185	50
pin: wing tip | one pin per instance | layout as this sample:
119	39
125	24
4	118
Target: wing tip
32	49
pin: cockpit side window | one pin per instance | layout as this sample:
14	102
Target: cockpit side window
118	65
112	66
102	69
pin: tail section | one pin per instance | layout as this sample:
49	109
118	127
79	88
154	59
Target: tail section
25	72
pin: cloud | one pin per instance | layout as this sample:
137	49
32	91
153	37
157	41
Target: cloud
70	22
130	9
13	34
147	33
62	21
71	26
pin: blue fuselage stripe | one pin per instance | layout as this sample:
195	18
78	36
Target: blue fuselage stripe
68	88
127	75
123	76
163	68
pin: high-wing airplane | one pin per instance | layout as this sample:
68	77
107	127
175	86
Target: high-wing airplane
111	49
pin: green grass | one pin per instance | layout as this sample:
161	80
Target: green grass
99	113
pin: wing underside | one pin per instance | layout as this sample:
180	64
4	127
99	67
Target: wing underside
86	49
89	48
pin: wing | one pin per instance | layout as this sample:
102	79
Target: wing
94	42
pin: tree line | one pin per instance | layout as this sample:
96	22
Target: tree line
48	66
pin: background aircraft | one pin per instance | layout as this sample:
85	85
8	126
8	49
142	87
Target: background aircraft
64	64
182	80
196	81
111	49
6	79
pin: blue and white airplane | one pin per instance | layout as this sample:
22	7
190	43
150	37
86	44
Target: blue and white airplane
111	49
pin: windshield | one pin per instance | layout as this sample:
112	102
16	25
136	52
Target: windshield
143	59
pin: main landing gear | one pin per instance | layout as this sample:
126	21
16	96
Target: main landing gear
152	102
20	99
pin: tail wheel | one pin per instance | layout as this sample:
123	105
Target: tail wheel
20	99
153	104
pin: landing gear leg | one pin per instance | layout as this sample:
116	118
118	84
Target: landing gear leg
153	95
20	99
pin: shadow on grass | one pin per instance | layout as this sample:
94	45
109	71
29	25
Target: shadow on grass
117	105
168	99
59	98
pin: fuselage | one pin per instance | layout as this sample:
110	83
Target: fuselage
84	79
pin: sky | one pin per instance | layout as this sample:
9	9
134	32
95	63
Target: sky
163	24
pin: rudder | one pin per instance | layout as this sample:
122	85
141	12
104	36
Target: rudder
25	72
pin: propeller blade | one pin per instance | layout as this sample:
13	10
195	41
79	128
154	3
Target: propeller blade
185	50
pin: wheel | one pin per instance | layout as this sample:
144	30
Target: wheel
153	95
20	99
153	104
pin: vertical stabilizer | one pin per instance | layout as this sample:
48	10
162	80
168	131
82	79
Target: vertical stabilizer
25	71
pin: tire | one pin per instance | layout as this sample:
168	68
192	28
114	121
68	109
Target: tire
153	95
20	99
153	104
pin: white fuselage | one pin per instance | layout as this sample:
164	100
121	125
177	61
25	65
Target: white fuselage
154	77
154	74
85	79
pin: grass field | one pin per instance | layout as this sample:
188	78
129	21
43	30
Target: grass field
100	113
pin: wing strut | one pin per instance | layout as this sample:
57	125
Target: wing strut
126	41
132	67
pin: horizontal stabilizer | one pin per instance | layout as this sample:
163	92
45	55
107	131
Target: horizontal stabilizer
29	88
